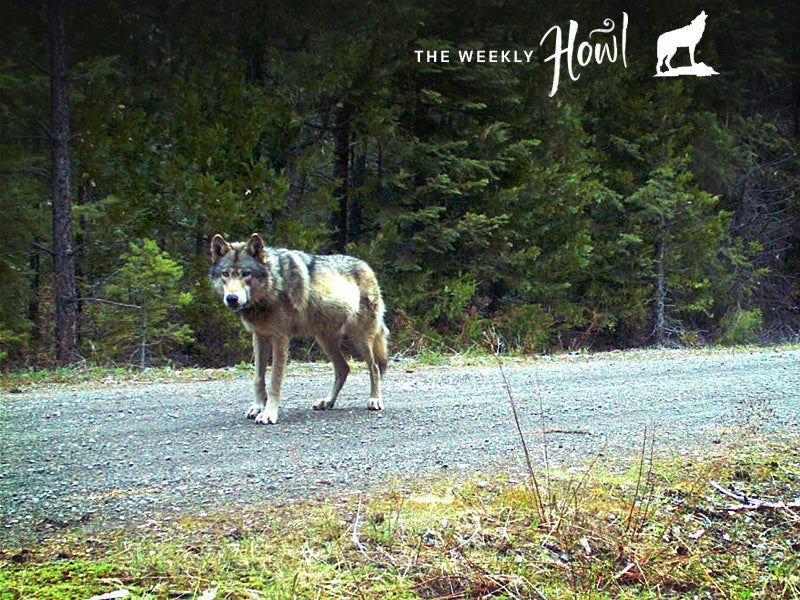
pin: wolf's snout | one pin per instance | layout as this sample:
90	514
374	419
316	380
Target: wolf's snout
232	300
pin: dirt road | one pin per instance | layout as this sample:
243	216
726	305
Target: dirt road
123	453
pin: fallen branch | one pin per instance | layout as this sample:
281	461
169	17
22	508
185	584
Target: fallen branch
559	431
747	503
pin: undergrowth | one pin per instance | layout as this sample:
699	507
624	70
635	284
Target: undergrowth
412	357
653	530
87	374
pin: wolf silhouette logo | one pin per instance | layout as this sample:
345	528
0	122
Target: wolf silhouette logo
685	37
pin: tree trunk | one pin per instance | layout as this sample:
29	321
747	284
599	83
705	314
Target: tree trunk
341	172
63	253
660	284
143	343
34	264
355	216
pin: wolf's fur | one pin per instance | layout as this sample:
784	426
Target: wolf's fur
685	37
282	294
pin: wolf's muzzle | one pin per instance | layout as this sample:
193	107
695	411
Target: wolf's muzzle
234	301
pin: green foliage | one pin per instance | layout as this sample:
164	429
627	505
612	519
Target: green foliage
10	342
137	316
624	211
23	177
219	337
741	327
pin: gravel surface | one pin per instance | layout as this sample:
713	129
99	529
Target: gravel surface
124	453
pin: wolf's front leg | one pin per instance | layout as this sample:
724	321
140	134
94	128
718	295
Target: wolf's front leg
280	348
260	352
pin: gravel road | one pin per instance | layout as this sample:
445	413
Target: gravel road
124	453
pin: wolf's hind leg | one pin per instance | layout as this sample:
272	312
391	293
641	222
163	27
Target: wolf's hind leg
261	353
668	59
340	369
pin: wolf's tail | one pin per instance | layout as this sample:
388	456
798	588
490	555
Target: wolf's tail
380	348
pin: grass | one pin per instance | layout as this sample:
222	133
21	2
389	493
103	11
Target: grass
637	529
89	375
693	526
411	358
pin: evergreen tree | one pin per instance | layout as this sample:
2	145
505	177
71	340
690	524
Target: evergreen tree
626	210
138	315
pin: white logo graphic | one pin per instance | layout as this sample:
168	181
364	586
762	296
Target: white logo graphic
685	37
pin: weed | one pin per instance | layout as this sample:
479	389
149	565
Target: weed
657	530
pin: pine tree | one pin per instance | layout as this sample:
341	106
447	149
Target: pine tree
66	321
137	316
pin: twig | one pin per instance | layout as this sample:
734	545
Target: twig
337	540
356	541
528	463
748	503
545	454
104	301
636	496
43	248
650	500
561	432
38	67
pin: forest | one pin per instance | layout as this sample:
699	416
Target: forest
614	210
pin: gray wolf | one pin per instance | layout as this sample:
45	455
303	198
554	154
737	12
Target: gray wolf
282	294
685	37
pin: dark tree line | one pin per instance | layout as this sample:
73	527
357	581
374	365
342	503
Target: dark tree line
624	210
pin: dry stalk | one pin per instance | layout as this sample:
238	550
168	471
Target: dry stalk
640	516
543	517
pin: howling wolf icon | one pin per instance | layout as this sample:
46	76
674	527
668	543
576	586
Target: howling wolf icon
685	37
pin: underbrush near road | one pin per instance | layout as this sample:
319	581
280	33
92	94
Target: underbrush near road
724	524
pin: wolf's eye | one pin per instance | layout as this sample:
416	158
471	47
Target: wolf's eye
245	273
226	274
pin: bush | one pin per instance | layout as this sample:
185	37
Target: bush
741	327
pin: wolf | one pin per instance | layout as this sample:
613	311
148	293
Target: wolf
282	294
685	37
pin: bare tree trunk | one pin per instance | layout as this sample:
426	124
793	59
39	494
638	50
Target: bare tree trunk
660	284
355	217
63	253
143	343
341	173
34	264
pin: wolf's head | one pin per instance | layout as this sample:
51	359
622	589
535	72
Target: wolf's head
238	272
699	19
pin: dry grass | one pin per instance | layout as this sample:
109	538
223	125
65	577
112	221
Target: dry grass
657	530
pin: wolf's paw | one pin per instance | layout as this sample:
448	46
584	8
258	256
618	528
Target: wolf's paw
323	404
375	404
267	417
254	410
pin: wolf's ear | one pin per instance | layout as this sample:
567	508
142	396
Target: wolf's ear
219	247
255	248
